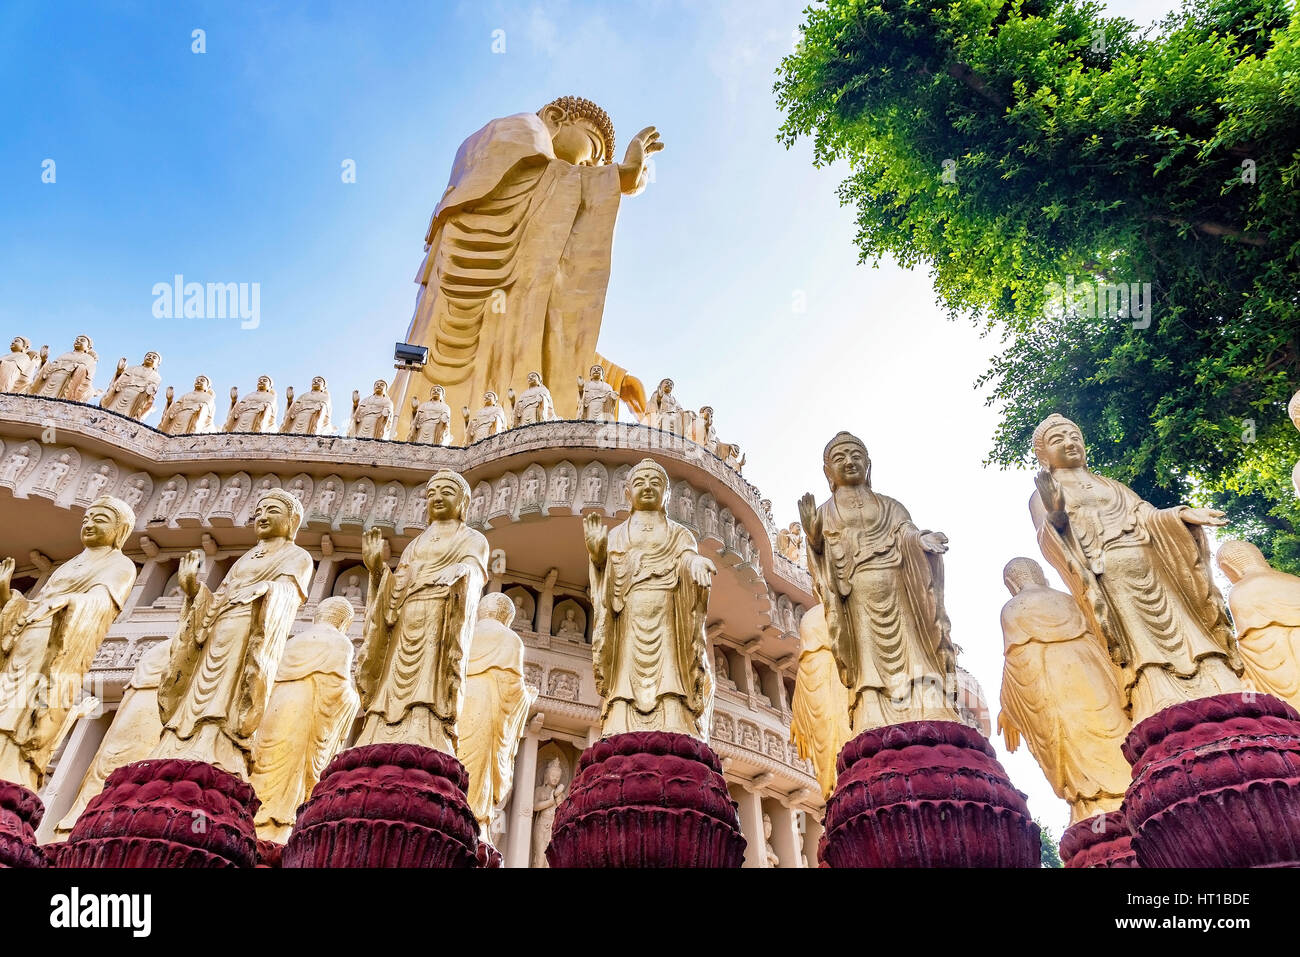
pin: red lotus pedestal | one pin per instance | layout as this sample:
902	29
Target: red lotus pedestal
387	805
166	813
926	794
1216	783
269	853
20	814
647	799
1102	841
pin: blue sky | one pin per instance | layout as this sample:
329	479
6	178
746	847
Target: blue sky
225	167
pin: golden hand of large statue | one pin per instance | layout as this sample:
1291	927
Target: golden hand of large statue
596	536
632	172
1049	490
451	574
372	551
6	576
187	576
701	570
1205	516
936	543
1010	733
811	521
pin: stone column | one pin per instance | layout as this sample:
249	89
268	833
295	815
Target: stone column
812	836
751	824
546	603
519	825
61	789
785	833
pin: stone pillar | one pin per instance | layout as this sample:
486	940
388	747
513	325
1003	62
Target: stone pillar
812	837
319	589
785	833
546	603
153	576
61	789
519	826
751	824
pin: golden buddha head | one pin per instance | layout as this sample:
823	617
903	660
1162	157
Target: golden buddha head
318	384
1020	572
845	461
438	394
1236	558
82	344
381	387
498	607
264	384
152	360
581	132
277	515
336	611
107	522
202	384
446	496
647	487
534	380
489	399
1058	443
596	373
20	344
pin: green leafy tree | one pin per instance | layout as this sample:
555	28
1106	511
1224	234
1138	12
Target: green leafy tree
1017	148
1050	853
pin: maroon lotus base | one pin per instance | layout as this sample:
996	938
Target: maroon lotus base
647	799
20	814
926	794
489	856
386	805
166	813
1216	783
269	853
1103	841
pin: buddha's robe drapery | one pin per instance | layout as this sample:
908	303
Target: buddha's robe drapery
46	647
819	725
227	651
1266	610
418	635
648	644
492	721
883	598
307	720
517	264
1142	578
1061	692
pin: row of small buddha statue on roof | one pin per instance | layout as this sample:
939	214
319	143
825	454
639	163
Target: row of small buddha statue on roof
134	389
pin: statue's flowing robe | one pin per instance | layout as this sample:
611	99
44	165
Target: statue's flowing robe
43	662
1142	578
819	725
418	635
16	370
128	394
307	720
1061	692
224	661
599	401
371	418
535	405
133	734
255	412
482	425
518	258
316	408
433	423
648	639
194	412
496	709
883	598
1266	610
68	377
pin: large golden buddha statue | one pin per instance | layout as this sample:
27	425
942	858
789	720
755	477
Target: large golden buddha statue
420	624
1140	574
228	648
1060	692
1265	607
650	588
48	642
880	581
518	253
